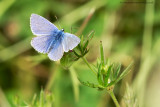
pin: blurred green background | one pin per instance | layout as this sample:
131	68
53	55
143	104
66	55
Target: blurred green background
129	32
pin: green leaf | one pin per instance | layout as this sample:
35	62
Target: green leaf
65	60
117	71
112	72
86	44
107	61
68	59
99	75
98	62
94	67
91	85
16	100
125	72
86	51
82	40
101	52
80	48
41	98
111	83
90	36
107	75
76	54
34	99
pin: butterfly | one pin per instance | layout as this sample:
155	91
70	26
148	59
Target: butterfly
49	39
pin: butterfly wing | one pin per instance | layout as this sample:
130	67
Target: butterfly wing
46	42
70	41
42	43
56	52
41	26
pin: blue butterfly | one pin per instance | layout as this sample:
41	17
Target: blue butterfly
49	39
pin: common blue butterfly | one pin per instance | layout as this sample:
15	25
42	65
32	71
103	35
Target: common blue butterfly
49	39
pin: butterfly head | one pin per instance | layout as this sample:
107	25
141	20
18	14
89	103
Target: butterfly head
62	30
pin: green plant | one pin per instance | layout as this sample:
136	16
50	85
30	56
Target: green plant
108	75
45	99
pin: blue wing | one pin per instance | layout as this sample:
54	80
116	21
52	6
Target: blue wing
70	41
56	52
42	43
41	26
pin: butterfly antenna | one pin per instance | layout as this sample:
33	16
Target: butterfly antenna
58	22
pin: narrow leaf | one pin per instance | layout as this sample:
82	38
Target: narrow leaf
99	76
98	62
34	99
95	68
111	83
86	51
82	40
125	72
112	72
16	100
85	45
117	71
41	101
88	84
76	54
107	75
79	47
101	52
107	61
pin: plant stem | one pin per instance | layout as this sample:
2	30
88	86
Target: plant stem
114	98
89	65
75	83
147	55
52	78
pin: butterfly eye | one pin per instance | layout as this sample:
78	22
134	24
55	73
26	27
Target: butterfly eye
63	30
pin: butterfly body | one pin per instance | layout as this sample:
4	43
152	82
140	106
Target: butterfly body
56	40
49	39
